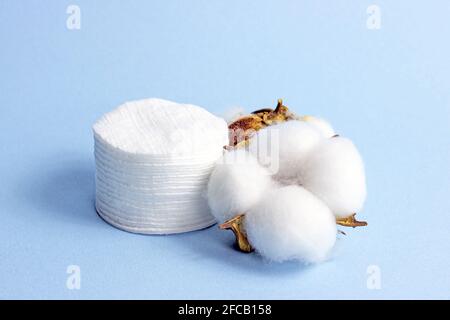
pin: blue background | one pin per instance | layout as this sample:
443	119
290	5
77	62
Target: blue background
386	89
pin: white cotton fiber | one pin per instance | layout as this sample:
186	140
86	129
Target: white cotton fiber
290	223
320	124
284	147
162	127
233	114
236	184
334	172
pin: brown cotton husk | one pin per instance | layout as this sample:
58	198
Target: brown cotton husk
350	221
235	225
243	128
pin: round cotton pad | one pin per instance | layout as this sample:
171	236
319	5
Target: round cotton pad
153	161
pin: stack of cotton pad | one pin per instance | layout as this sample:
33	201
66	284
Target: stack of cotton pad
153	161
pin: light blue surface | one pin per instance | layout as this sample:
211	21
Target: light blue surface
386	89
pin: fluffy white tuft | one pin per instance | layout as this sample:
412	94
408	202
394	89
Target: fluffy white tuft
291	223
284	147
236	184
320	124
233	113
334	172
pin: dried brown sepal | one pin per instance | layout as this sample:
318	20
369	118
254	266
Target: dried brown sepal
280	114
350	221
242	128
240	144
235	225
262	111
250	122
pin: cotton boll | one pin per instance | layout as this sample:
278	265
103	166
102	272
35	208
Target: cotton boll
291	223
284	147
320	124
334	172
236	184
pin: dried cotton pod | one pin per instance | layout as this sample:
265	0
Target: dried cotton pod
320	182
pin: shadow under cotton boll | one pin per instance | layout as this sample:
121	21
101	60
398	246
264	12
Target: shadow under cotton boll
208	244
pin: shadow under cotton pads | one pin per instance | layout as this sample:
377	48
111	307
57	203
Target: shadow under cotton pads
153	161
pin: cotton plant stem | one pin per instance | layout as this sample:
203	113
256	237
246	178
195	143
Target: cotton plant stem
350	221
235	225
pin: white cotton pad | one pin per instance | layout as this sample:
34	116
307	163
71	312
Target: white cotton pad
320	124
161	127
236	184
284	147
334	172
153	161
290	223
